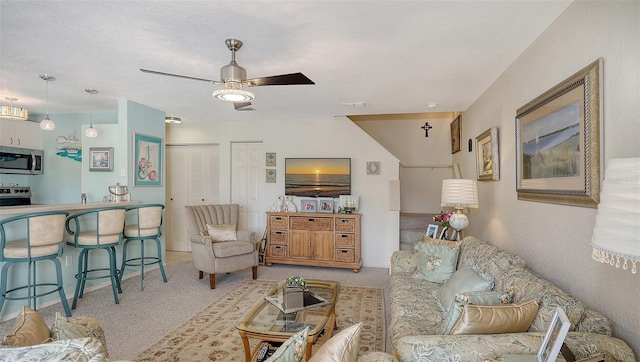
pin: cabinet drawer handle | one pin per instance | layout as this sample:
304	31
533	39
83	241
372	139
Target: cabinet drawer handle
278	218
312	220
278	232
344	236
344	220
344	251
277	247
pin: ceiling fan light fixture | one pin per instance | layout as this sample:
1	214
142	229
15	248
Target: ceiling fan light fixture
13	112
233	95
171	119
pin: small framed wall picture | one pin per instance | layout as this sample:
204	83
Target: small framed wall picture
270	159
270	175
373	168
308	205
456	130
326	206
432	231
101	159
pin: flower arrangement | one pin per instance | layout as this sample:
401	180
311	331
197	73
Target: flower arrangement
297	282
443	218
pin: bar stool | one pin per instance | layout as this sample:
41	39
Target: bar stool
44	236
95	229
148	227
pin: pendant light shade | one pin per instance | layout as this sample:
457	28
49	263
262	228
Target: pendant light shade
91	132
47	124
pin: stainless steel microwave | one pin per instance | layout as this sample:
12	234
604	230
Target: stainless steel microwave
21	161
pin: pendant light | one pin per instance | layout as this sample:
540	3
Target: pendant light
47	124
91	132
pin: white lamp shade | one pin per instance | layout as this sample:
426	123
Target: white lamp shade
459	193
616	233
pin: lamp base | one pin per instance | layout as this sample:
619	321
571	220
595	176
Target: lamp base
458	222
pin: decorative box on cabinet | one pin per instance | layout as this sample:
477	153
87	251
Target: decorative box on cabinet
316	239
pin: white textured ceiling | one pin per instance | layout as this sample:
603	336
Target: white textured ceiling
397	56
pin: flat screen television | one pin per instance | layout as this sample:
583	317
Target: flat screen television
317	177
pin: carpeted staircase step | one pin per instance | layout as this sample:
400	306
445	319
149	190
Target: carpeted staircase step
412	227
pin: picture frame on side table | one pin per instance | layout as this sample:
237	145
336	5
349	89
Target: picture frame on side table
556	333
147	165
487	157
456	131
308	205
101	159
432	231
559	142
443	233
326	206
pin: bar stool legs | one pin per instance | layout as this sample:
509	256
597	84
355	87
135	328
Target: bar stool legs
143	260
84	274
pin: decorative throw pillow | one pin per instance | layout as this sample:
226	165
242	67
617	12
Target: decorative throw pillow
64	328
292	350
29	329
474	298
465	279
343	347
437	260
492	319
224	232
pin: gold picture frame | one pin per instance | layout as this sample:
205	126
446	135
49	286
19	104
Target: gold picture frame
456	130
487	157
559	142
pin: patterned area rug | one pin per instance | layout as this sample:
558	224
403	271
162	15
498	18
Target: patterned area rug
211	336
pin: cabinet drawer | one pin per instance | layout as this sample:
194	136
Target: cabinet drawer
345	240
311	223
278	222
278	237
277	251
344	224
345	255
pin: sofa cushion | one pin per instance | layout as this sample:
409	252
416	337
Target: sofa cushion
437	259
465	279
78	327
293	349
493	319
343	347
28	329
77	350
223	232
473	298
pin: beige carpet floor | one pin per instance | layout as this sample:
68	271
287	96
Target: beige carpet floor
211	336
144	317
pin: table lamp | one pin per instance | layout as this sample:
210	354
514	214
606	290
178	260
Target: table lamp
459	193
616	233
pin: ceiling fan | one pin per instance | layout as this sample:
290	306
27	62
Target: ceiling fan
234	78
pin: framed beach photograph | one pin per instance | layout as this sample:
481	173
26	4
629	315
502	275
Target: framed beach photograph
558	142
456	130
432	231
101	159
308	205
556	333
487	158
325	206
147	165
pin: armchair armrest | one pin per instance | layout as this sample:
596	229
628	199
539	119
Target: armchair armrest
403	261
246	235
489	346
200	239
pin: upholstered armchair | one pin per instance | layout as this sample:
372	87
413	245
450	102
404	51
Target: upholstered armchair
216	244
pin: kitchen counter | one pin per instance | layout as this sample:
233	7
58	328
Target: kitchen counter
10	211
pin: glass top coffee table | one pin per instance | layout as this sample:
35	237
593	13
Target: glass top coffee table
266	322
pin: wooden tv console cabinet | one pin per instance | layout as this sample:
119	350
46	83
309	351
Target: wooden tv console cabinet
316	239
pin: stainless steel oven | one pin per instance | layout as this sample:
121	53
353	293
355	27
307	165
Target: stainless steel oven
15	196
21	160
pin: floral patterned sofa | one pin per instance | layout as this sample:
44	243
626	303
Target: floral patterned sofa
79	339
417	319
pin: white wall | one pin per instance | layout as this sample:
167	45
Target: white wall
554	239
333	137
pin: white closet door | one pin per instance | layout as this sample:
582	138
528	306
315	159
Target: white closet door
246	183
193	179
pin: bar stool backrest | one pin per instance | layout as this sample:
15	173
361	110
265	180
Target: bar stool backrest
103	226
42	229
149	221
46	230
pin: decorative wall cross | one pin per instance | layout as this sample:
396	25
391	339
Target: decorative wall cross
426	129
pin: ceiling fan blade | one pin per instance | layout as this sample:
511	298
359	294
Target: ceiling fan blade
178	76
243	106
283	79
